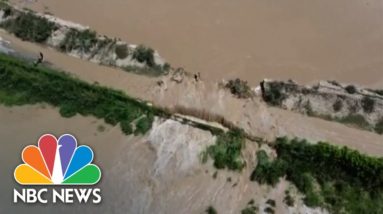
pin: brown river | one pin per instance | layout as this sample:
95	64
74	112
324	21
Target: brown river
251	39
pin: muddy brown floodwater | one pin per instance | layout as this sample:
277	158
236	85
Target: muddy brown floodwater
251	39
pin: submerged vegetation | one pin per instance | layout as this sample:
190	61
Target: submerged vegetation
339	179
226	152
21	83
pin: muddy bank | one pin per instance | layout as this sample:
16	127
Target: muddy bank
252	40
330	100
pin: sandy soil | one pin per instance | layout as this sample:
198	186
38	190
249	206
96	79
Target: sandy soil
250	39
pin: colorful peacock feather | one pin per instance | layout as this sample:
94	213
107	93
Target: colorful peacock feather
57	162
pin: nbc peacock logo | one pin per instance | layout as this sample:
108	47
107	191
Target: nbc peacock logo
57	162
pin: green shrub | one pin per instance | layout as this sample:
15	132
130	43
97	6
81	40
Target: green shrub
21	83
354	119
249	210
144	55
166	67
121	51
350	89
289	200
269	210
312	199
79	40
226	152
378	91
368	104
211	210
379	126
144	124
239	88
271	202
30	27
338	105
274	95
267	172
67	111
155	71
339	179
126	127
8	11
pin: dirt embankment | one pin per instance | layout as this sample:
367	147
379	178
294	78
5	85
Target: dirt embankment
329	100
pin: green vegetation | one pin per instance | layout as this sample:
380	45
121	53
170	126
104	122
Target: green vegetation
226	152
215	174
289	200
8	11
144	55
211	210
251	202
271	202
239	88
156	70
269	210
267	171
21	83
378	91
126	127
379	126
250	209
79	40
368	104
356	120
309	109
144	124
339	179
30	27
274	95
121	51
350	89
338	105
